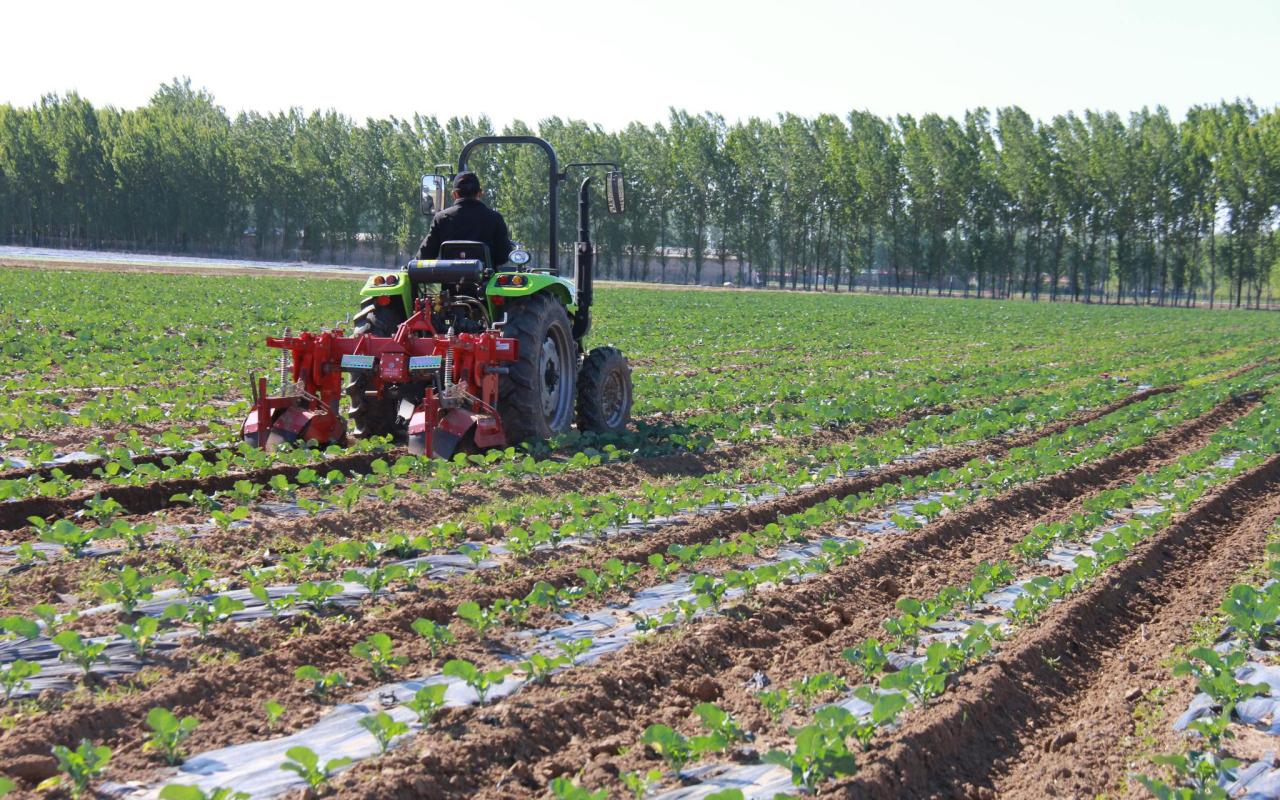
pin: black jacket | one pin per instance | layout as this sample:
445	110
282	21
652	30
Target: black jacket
469	220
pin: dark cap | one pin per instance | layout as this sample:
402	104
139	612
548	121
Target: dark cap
466	183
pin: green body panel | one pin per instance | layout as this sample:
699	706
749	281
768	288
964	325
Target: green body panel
402	289
563	288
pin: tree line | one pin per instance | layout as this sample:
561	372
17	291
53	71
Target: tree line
1091	207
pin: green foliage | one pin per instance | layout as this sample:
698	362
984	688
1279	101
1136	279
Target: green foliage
427	701
167	733
669	745
565	789
179	791
274	712
384	728
13	676
821	749
321	682
641	783
436	635
78	767
306	764
1215	675
376	649
142	633
480	681
83	652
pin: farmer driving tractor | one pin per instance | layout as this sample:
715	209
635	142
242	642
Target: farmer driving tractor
468	219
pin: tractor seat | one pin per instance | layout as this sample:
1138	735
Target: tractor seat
461	250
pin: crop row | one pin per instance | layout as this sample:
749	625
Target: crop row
928	645
705	599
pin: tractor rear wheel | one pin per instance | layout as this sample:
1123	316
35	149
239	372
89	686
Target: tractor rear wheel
536	396
604	391
372	415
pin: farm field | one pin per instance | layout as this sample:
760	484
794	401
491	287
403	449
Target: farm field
853	547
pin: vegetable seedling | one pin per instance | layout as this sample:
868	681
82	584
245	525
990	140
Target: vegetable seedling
305	762
384	728
481	682
427	701
78	767
167	733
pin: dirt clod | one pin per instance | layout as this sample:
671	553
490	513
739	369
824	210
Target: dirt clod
705	690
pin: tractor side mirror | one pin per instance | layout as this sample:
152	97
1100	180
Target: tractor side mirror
613	190
432	194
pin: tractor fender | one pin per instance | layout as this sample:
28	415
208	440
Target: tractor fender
531	283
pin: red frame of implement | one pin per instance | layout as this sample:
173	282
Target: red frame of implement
473	359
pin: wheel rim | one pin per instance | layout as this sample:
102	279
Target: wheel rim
557	388
613	400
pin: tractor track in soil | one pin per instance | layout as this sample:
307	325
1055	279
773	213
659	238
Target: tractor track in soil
229	696
1047	716
797	632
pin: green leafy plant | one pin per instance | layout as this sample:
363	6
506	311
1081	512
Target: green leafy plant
480	619
437	635
274	712
641	783
427	701
321	682
669	745
13	676
305	762
384	728
129	588
142	633
812	687
78	767
565	789
869	656
78	650
775	701
180	791
480	681
820	751
168	732
204	614
1215	675
376	649
885	707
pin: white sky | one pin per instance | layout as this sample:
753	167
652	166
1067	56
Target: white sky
613	61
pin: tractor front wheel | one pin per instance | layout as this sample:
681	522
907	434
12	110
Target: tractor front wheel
372	415
536	396
604	391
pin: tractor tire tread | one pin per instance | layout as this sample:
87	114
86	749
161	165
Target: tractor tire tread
591	378
519	402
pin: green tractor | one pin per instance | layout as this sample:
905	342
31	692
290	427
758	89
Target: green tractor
554	380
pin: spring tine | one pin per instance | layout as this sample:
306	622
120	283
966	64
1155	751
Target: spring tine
284	367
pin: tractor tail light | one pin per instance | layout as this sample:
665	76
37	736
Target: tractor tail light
378	281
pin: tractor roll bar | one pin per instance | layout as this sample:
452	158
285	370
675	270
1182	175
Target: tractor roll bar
553	177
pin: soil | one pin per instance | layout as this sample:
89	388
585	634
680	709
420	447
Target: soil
228	695
1051	715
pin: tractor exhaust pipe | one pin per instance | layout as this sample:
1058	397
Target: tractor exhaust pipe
584	264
